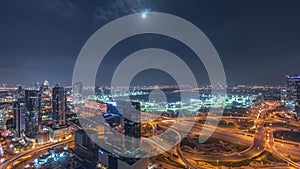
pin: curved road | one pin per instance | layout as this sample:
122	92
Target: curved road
273	149
41	148
257	147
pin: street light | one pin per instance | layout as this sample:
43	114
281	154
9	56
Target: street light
282	142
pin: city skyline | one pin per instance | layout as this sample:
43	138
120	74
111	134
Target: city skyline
112	133
42	40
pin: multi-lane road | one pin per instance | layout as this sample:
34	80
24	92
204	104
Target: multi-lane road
257	143
272	148
10	162
256	147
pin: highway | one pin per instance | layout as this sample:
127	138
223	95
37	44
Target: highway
258	143
34	150
181	156
256	148
166	147
231	135
271	145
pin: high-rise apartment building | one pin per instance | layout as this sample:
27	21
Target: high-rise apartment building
77	92
123	117
19	117
33	113
293	93
59	104
46	102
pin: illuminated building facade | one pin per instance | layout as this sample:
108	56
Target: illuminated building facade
59	105
19	117
283	97
77	92
98	91
293	93
132	126
58	134
33	113
46	102
123	117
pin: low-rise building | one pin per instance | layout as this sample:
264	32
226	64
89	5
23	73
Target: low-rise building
60	133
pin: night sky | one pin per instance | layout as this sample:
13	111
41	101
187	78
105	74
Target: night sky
258	41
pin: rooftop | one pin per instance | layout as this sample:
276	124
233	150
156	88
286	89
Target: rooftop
293	77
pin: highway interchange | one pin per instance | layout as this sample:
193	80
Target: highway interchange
259	142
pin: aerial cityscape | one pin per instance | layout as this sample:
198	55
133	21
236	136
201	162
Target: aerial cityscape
99	85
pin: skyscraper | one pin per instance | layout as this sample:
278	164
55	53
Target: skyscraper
131	125
20	92
59	103
85	148
98	91
293	93
126	151
46	102
33	113
19	117
77	92
127	115
283	97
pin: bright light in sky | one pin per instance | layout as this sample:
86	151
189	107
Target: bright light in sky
144	14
